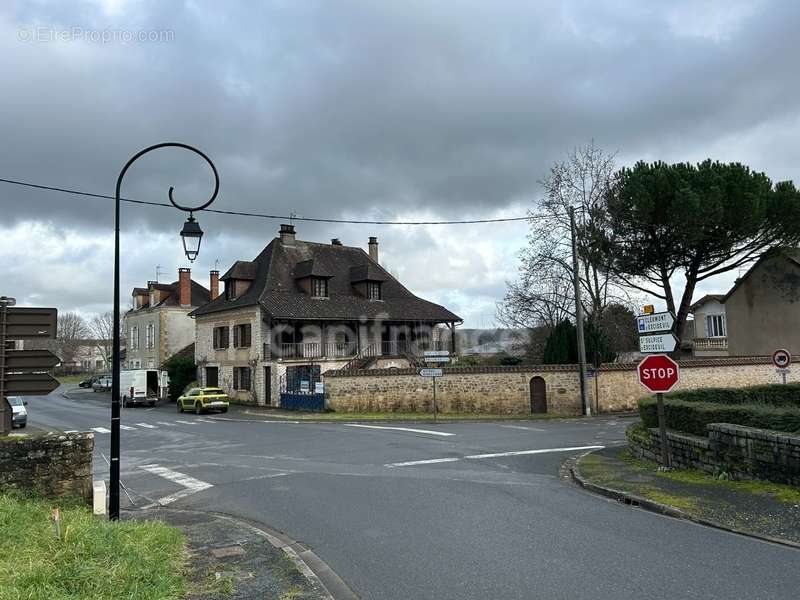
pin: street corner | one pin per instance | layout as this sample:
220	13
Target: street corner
760	509
230	558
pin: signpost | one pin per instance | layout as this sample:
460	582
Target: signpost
782	358
659	374
661	342
24	372
650	323
436	357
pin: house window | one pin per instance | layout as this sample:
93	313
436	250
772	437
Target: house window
373	290
230	290
151	335
151	363
222	337
241	378
715	326
241	336
134	338
319	287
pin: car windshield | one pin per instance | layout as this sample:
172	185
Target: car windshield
14	401
212	391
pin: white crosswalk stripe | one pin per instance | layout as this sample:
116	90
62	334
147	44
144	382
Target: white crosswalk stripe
186	422
100	429
166	424
127	428
147	425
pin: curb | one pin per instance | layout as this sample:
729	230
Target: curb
444	421
664	509
305	559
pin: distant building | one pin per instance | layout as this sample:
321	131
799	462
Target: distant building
301	308
709	330
763	307
159	325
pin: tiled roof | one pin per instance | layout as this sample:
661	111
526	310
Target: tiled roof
199	294
275	287
241	269
310	268
366	272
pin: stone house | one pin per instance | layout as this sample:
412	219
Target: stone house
77	356
763	307
158	325
302	308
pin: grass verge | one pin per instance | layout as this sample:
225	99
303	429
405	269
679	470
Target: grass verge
70	379
92	559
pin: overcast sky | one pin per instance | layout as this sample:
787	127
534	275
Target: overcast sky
361	109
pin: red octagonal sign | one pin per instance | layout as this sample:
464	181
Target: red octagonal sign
658	373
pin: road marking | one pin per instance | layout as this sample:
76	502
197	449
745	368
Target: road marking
100	429
147	426
525	428
191	485
186	422
71	431
127	428
523	452
432	461
443	433
166	424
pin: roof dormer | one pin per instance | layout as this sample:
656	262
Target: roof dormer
312	277
367	280
238	278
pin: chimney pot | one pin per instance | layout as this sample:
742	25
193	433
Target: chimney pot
185	287
214	286
287	234
336	242
373	248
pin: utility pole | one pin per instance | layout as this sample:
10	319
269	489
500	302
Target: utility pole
576	282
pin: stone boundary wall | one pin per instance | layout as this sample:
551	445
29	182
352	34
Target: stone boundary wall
744	452
506	390
52	465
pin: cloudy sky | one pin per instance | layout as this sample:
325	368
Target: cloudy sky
360	110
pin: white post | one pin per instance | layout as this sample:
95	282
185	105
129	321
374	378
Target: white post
99	497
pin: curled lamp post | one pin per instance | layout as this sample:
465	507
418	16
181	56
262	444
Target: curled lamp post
191	235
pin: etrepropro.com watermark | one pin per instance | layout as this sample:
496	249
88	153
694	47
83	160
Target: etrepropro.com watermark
95	36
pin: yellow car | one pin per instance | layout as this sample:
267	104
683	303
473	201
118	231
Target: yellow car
200	399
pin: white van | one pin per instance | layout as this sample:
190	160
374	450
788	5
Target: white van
142	386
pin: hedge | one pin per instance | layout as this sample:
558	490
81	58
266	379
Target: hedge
693	416
772	395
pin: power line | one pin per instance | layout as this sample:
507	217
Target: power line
267	216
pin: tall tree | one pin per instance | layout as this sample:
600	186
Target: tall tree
101	327
544	293
70	330
694	222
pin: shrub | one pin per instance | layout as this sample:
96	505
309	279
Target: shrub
181	371
692	416
772	395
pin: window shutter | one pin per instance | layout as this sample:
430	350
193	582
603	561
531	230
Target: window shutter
236	336
247	331
236	378
226	334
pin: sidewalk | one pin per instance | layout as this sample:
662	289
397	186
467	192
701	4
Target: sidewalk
761	509
232	560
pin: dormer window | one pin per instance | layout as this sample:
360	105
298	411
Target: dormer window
319	287
230	290
374	290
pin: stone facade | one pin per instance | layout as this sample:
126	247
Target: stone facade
506	390
743	452
53	465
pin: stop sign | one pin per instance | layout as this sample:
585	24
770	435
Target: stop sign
658	373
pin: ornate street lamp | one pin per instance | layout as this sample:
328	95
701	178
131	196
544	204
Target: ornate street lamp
191	235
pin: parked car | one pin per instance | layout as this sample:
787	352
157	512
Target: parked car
87	383
202	399
102	384
142	386
19	417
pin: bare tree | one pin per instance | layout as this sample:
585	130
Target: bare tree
70	330
544	293
102	329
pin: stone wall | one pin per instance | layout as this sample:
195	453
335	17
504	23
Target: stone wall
53	465
743	452
506	390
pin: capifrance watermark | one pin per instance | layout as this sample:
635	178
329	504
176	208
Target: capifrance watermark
44	33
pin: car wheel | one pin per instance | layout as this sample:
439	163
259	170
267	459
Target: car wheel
180	406
224	410
23	426
198	409
151	403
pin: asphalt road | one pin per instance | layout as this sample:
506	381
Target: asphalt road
468	526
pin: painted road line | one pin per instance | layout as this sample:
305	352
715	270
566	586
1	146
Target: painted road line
525	452
100	429
186	422
71	431
165	424
428	431
191	485
127	428
430	461
525	428
147	425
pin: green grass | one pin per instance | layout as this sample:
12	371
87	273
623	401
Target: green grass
400	416
94	559
69	379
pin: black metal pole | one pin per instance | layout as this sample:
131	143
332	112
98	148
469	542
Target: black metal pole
114	485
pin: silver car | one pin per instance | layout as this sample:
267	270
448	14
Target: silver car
19	417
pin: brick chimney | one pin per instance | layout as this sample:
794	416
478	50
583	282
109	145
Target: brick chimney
287	235
336	242
185	287
214	287
373	248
